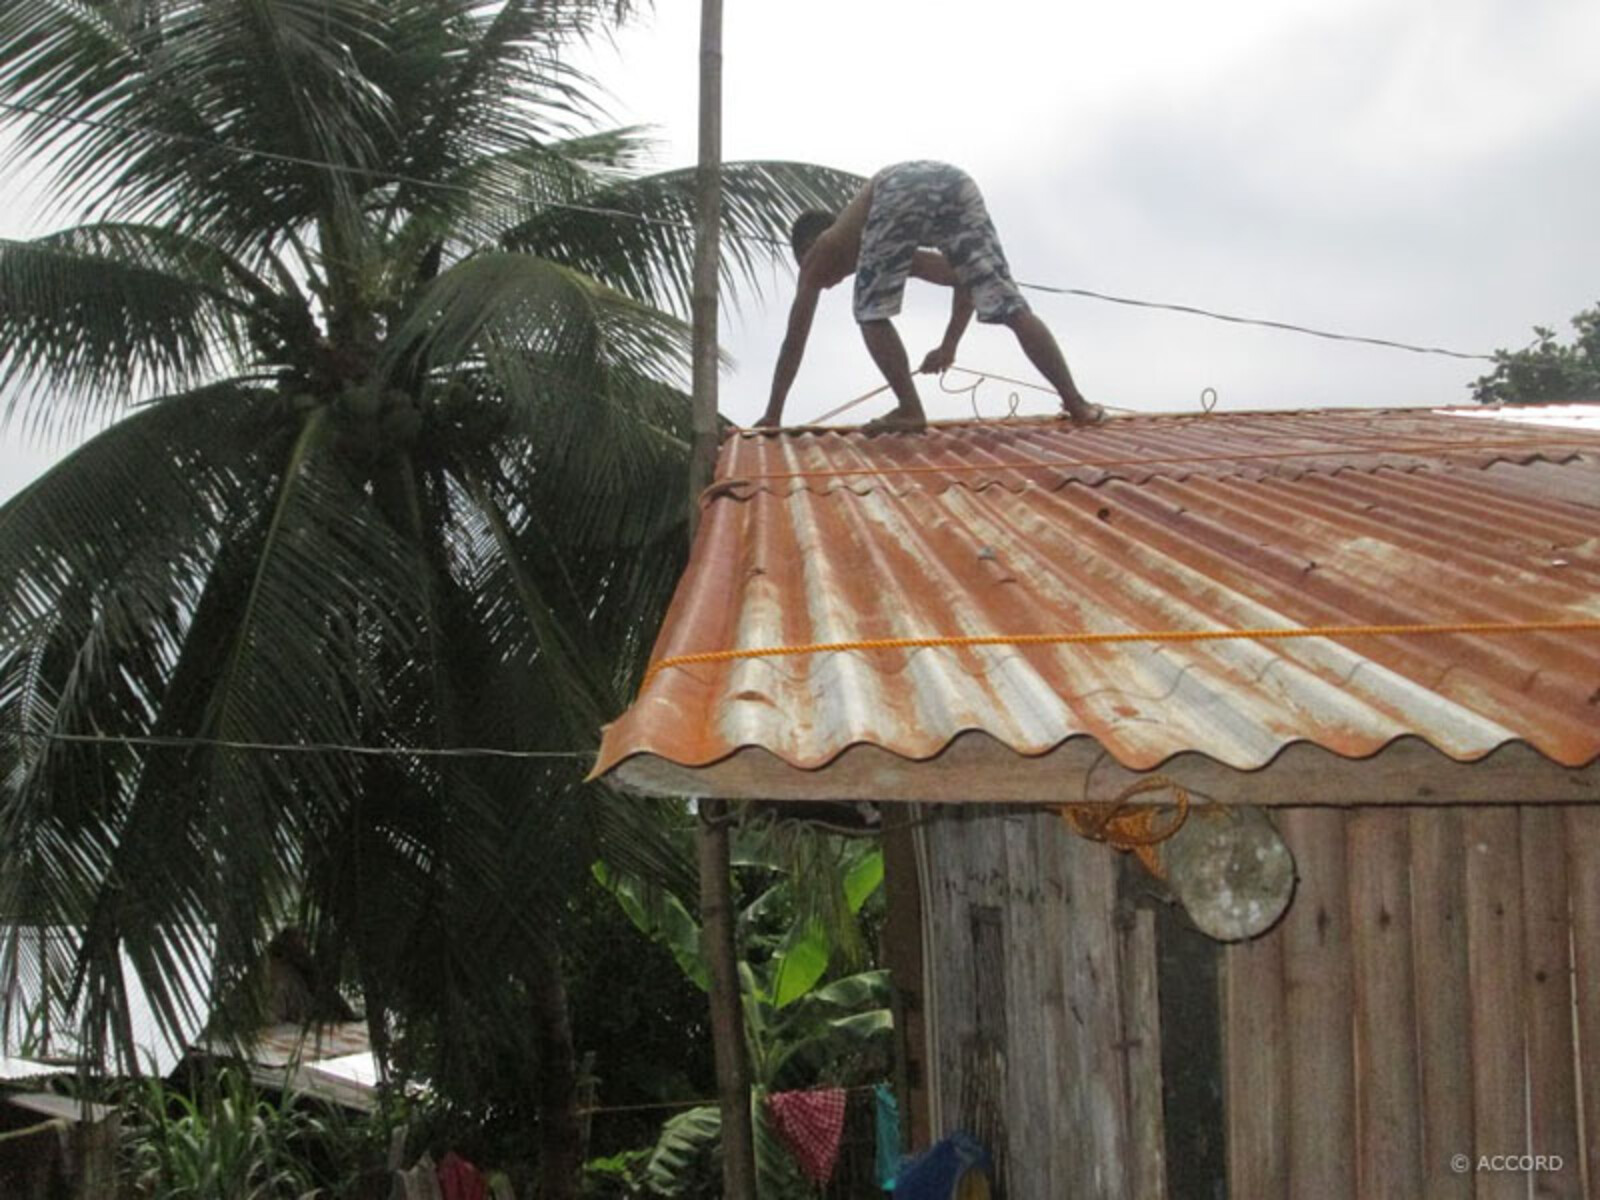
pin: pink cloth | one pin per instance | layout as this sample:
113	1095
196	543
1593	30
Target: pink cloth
460	1180
810	1124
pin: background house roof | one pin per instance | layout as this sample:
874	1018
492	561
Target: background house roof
39	1029
1220	521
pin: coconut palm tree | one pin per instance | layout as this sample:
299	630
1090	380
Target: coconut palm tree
381	331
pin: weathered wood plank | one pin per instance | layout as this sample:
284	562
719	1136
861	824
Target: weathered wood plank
1317	995
952	1013
1443	1002
1030	1089
1547	980
1388	1134
1049	940
1494	948
972	877
1256	1049
1583	874
1028	1042
1094	1058
1141	1023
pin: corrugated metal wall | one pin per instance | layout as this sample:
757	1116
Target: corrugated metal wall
1429	1008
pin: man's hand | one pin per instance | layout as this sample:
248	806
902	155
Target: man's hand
937	361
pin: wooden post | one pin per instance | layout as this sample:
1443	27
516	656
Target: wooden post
707	257
716	900
902	954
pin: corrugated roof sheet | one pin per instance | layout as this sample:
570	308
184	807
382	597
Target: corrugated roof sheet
1164	523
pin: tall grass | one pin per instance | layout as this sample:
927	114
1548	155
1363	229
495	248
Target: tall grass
226	1143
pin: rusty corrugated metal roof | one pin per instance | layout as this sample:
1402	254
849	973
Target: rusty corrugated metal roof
1164	523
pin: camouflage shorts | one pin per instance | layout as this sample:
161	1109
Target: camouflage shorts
917	204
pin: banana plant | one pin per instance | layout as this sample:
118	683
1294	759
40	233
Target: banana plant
801	1027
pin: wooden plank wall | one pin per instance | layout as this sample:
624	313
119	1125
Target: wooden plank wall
1040	1006
1433	992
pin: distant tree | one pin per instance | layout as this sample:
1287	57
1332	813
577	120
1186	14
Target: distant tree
1547	372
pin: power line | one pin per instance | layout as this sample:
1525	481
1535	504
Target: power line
187	743
1233	319
684	227
337	168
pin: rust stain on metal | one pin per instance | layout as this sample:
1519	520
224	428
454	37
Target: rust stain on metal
1224	521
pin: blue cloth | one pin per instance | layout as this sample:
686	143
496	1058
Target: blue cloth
937	1171
887	1109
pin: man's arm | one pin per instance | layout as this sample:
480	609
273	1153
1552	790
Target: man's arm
933	267
794	349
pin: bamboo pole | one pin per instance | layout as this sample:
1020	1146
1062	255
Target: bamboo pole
716	901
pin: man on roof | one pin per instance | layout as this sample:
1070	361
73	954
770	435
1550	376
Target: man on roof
922	219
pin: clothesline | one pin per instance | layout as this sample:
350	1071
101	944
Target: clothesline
709	1102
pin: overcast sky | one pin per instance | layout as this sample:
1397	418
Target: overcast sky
1422	170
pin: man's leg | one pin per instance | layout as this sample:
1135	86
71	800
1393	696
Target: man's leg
1039	344
889	352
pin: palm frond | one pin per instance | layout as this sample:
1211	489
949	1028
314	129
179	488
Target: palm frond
493	192
212	113
95	315
497	305
647	248
137	508
507	86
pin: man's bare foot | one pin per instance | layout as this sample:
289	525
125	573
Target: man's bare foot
768	421
1082	413
898	420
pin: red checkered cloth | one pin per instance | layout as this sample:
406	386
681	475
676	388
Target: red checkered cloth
810	1124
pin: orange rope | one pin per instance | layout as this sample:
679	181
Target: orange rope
1111	639
1132	828
724	485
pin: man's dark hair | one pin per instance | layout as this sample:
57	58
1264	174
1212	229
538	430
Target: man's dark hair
807	227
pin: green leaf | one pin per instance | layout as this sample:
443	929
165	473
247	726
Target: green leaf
799	964
864	878
685	1140
855	991
864	1027
663	917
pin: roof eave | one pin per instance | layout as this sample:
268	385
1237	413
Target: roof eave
975	768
